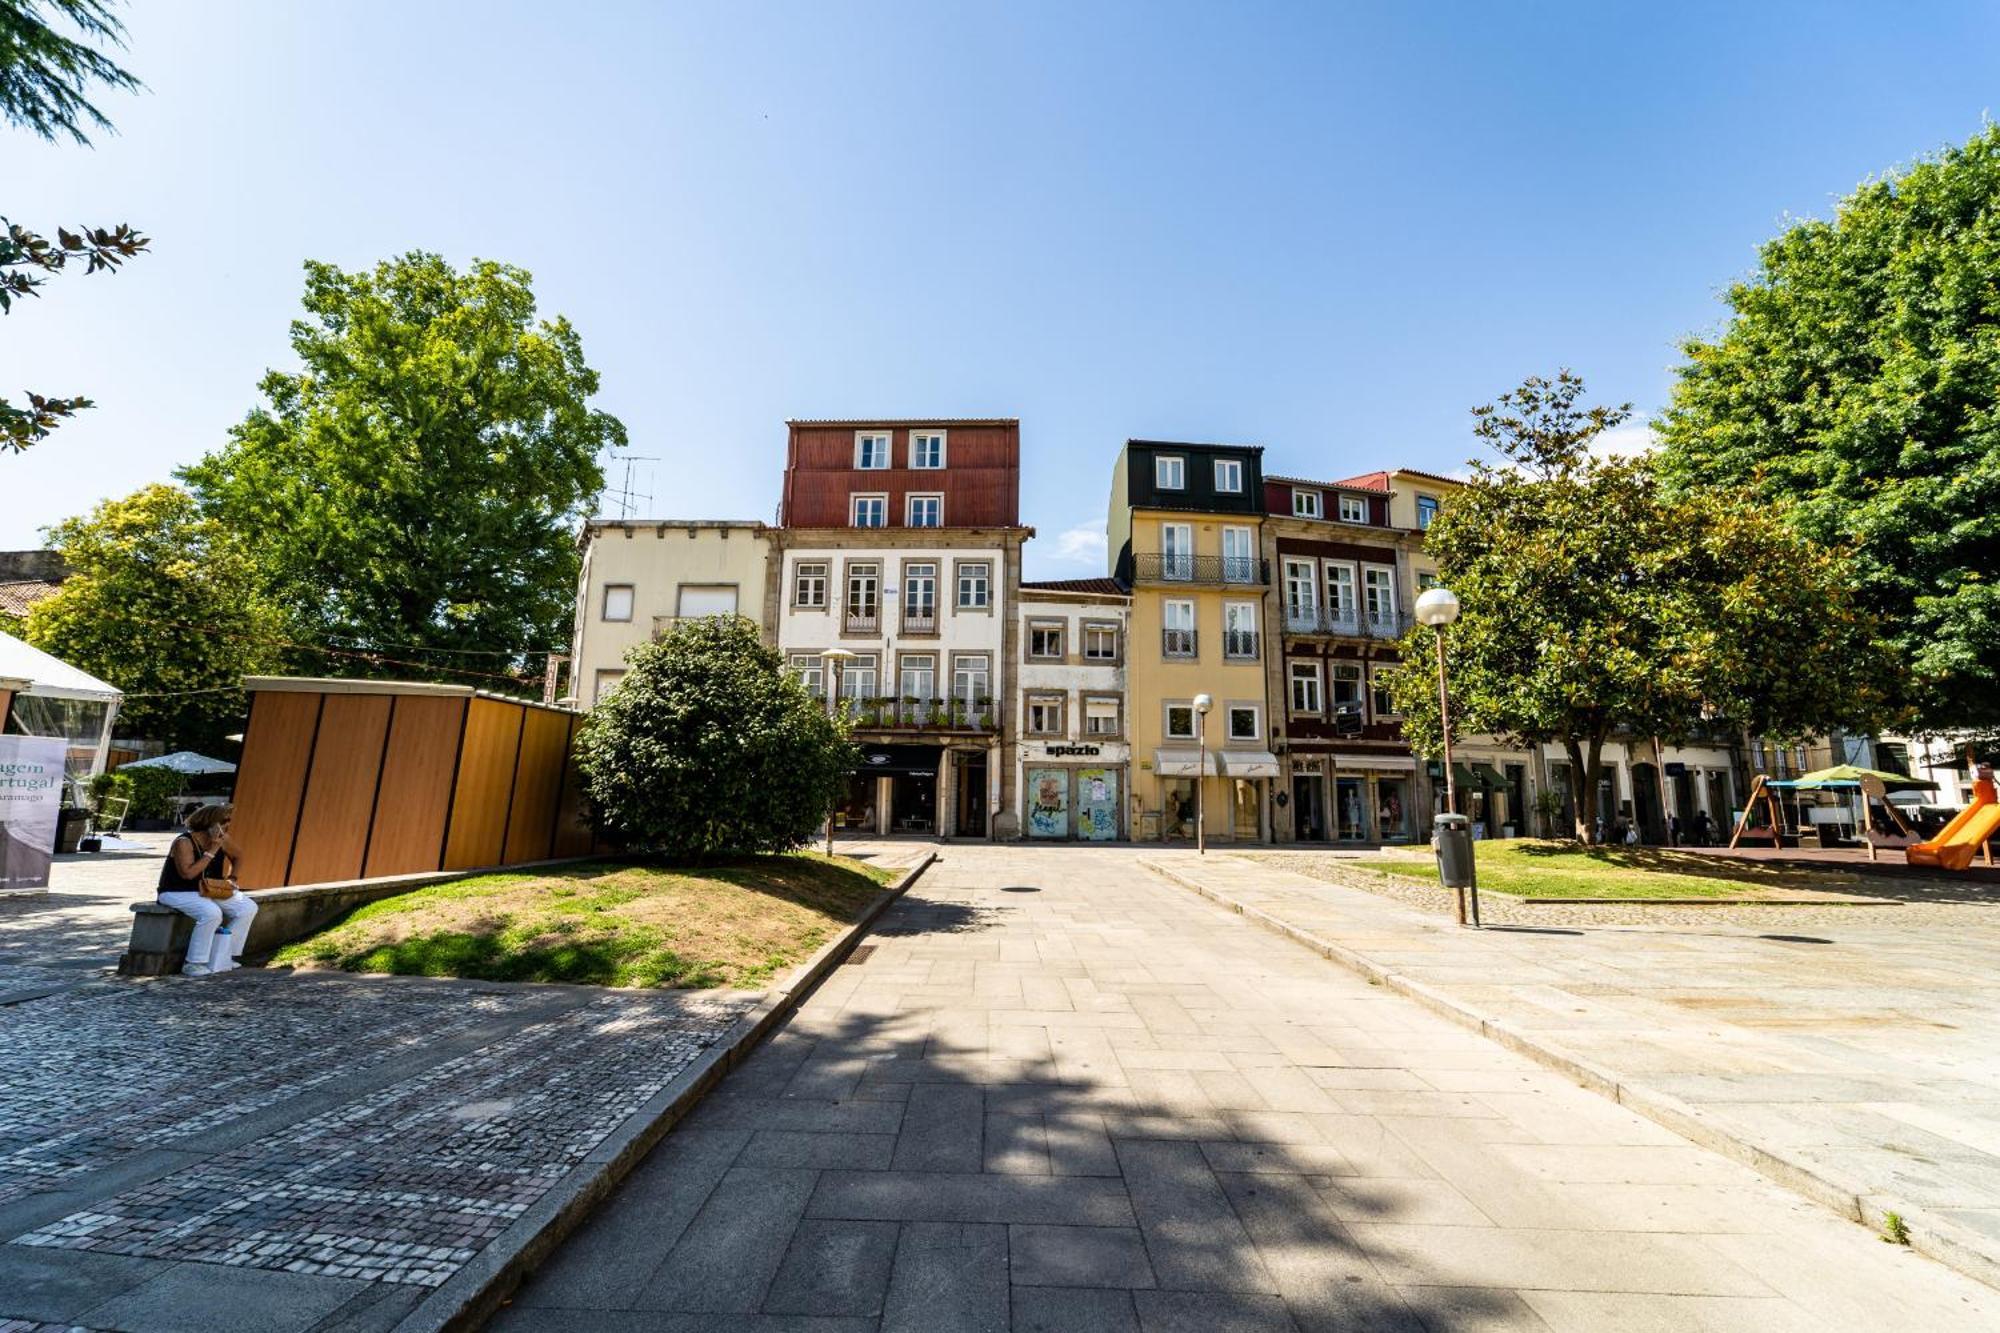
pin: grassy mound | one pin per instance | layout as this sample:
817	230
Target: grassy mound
1535	868
737	924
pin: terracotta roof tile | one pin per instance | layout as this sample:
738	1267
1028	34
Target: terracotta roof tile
17	597
1107	587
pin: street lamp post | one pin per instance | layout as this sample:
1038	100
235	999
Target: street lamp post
1202	703
1438	607
835	659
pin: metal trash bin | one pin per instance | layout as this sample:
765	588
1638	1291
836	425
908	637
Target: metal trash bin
1451	839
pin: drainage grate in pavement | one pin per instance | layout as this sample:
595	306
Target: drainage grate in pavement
862	953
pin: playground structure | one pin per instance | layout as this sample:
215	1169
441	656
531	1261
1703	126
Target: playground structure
1955	846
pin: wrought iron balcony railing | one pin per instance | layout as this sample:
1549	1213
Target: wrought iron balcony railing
1351	624
1177	642
861	622
920	622
909	714
1240	643
1209	570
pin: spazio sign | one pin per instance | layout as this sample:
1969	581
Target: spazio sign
1074	751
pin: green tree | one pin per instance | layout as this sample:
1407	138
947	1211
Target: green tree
417	484
1858	381
46	75
44	78
162	603
708	748
1595	603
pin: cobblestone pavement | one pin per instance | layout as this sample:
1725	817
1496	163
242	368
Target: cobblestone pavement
1054	1092
1861	1045
291	1149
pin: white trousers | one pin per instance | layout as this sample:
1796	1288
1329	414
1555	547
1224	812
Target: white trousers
208	913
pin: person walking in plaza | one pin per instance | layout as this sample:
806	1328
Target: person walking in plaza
196	881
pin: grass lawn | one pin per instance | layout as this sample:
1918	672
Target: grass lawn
1534	868
600	924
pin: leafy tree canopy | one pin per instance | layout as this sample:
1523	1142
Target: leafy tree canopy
25	257
1859	380
161	602
46	74
708	748
1595	603
418	482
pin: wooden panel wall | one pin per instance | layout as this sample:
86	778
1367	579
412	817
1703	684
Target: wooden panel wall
340	789
350	785
573	834
531	822
413	801
277	748
485	786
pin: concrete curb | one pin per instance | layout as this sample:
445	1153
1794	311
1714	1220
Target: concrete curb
1971	1253
470	1296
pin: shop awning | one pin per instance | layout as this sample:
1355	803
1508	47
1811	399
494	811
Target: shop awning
1221	763
1397	763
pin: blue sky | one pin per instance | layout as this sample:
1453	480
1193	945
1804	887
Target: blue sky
1326	229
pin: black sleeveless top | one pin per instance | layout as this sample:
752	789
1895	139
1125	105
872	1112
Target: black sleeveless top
173	881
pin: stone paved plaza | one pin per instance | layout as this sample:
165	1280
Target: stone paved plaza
1054	1092
1861	1044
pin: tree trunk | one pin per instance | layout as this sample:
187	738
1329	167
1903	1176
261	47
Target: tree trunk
1586	783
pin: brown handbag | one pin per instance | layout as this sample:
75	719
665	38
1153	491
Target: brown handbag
217	888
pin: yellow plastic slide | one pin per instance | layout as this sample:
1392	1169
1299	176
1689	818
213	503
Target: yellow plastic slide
1954	847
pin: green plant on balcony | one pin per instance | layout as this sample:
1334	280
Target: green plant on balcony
912	711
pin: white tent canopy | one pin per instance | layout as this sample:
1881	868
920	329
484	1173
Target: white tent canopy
58	699
50	677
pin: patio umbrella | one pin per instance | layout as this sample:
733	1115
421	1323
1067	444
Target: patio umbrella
1850	775
185	762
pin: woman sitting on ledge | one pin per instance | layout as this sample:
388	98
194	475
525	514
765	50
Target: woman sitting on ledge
196	882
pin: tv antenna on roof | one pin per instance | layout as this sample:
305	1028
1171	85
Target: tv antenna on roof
624	497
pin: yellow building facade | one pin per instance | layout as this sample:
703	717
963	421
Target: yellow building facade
1184	532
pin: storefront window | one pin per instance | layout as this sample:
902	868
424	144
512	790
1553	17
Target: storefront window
1350	810
1177	809
1392	809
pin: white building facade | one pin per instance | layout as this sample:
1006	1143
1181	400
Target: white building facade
641	576
1072	750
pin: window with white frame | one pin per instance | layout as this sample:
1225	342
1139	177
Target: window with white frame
1239	629
1045	715
607	681
1170	472
1428	579
926	511
1177	629
1177	551
1305	504
927	449
920	593
617	601
1228	476
1100	643
1378	595
809	585
1379	698
1353	509
1239	555
1427	510
864	585
1180	722
1045	640
869	511
1301	595
857	678
1305	687
1100	716
811	673
871	450
975	585
1246	722
1340	592
1345	686
971	677
919	676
